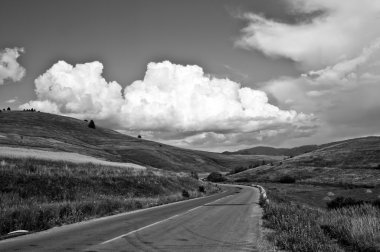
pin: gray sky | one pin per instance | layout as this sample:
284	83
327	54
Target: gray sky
318	83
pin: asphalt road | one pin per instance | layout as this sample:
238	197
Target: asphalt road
225	222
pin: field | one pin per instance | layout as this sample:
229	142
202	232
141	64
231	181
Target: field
42	131
304	218
317	195
39	194
60	156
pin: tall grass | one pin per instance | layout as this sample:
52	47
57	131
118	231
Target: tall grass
296	228
302	228
39	194
356	227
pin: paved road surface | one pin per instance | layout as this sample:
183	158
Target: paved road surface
223	222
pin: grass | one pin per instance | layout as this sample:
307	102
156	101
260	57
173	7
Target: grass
39	194
299	226
355	227
317	195
56	133
296	228
15	152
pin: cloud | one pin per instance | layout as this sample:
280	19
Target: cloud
345	71
78	91
12	100
9	67
344	96
171	102
339	33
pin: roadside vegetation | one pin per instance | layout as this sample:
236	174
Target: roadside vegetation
39	194
343	224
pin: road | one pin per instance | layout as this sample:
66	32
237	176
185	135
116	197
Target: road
225	222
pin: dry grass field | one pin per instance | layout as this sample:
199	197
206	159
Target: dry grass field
14	152
38	194
297	226
56	133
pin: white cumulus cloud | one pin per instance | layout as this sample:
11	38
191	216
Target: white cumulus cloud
342	30
169	102
78	91
9	67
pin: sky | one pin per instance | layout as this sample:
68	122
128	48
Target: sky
206	74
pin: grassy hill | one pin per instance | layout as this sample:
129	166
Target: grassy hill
353	162
264	150
58	133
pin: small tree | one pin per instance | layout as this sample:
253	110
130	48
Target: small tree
92	125
201	189
139	136
185	193
216	177
9	109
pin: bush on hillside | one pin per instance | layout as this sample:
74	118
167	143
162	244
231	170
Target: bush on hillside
216	177
287	179
243	180
342	202
201	189
238	169
185	193
92	125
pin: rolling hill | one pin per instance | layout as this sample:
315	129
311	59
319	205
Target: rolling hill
350	162
51	132
271	151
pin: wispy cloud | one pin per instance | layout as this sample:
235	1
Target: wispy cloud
339	52
12	100
341	32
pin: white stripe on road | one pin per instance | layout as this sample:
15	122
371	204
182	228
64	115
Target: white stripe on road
158	222
134	231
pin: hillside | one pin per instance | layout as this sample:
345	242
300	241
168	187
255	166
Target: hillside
271	151
58	133
351	162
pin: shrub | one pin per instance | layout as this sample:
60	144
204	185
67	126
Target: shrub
92	125
194	174
185	193
201	189
340	202
287	179
238	169
242	180
216	177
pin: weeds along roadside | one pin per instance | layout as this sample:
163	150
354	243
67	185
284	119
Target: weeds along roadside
298	227
39	194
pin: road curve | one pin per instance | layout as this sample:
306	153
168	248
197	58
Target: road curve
224	222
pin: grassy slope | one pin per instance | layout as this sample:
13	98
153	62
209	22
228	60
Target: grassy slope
57	133
39	194
297	211
263	150
353	162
